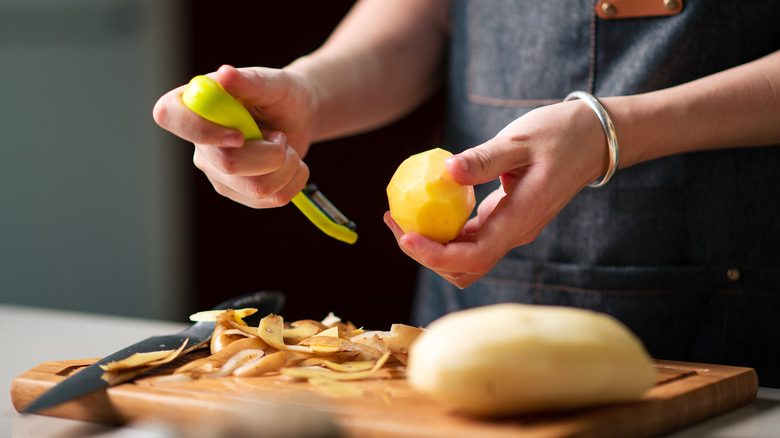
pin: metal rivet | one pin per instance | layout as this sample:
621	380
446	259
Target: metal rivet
671	5
732	274
608	9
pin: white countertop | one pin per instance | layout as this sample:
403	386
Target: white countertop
30	336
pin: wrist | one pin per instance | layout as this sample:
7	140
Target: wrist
304	72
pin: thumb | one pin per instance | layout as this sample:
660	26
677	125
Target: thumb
482	163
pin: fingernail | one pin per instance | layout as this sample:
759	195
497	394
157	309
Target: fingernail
233	140
460	162
386	218
408	245
277	137
225	67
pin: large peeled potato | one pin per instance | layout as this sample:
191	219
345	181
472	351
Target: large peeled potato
424	199
512	358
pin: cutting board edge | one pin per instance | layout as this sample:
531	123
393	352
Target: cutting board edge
742	381
26	386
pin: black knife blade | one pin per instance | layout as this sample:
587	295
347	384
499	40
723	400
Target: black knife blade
91	379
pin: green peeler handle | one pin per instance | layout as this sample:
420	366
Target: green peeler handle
322	221
207	98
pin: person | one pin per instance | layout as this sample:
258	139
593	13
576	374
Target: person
682	243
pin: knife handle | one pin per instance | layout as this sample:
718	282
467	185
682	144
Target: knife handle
207	98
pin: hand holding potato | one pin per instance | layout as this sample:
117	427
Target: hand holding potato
259	173
543	160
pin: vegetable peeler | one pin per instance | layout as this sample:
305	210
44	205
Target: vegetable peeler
207	98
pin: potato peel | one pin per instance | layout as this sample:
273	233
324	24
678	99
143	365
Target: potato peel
312	372
225	331
331	344
348	367
212	315
235	362
303	331
215	361
400	338
243	328
271	330
332	332
148	359
324	352
330	320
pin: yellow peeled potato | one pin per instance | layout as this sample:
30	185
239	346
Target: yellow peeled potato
424	199
512	358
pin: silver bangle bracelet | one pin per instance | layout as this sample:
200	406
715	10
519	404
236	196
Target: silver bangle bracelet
609	130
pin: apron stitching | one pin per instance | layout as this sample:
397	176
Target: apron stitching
592	67
538	286
750	293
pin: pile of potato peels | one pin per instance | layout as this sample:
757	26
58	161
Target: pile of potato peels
322	352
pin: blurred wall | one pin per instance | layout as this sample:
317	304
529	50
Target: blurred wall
92	201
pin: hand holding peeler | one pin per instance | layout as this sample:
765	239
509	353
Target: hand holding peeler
207	98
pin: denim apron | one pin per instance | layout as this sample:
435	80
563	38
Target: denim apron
685	250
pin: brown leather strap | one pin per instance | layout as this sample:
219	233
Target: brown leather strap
615	9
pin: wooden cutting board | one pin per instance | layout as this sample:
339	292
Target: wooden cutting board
686	393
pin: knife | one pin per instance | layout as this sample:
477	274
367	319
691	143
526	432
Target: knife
90	379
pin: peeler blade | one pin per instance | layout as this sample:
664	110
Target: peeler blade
324	215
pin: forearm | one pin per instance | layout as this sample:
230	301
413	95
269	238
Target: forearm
739	107
383	60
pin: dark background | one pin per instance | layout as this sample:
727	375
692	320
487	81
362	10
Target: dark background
237	249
